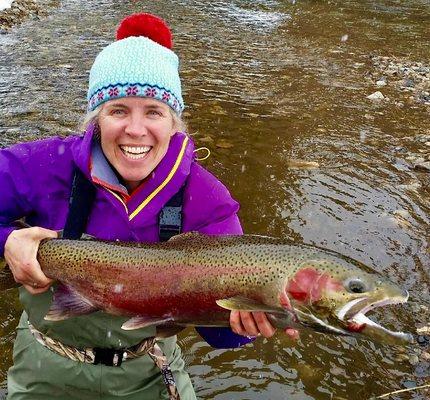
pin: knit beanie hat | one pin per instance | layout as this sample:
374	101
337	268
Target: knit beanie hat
139	64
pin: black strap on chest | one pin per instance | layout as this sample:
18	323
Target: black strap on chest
170	217
82	198
80	204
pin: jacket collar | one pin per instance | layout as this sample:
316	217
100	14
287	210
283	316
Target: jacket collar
158	187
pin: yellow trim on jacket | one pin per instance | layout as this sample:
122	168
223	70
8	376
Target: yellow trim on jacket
164	183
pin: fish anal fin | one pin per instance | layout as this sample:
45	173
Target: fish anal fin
142	321
245	304
165	331
68	303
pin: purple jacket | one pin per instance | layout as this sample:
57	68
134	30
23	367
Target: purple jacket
35	182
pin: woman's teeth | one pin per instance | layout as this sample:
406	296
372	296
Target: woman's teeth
135	152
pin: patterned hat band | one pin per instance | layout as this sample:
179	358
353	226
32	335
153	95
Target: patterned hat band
118	91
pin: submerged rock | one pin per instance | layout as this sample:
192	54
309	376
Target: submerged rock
224	144
422	166
302	164
376	96
381	82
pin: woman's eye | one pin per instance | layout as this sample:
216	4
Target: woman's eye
118	112
154	113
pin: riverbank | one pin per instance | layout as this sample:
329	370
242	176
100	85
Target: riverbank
411	79
20	11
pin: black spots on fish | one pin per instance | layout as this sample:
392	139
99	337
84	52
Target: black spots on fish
280	271
331	268
246	279
266	278
291	260
327	265
265	255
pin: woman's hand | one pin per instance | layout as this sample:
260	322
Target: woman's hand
20	252
246	323
254	324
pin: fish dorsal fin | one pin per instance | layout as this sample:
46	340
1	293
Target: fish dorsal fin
244	304
142	321
185	236
87	236
68	303
84	236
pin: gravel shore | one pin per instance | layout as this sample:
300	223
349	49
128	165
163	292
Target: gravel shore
410	79
19	12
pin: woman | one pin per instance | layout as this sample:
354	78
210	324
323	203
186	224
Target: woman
136	158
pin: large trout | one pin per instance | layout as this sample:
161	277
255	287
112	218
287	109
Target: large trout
195	279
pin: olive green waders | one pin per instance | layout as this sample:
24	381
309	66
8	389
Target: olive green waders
40	373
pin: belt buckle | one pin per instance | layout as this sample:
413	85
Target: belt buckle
108	357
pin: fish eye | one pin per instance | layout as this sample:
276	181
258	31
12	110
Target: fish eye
356	286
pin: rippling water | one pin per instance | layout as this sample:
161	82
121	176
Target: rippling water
266	82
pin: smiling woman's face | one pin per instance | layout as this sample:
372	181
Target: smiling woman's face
135	135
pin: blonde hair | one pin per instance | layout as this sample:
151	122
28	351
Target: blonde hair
92	117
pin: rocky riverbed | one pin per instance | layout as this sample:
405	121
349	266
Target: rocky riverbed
401	82
410	79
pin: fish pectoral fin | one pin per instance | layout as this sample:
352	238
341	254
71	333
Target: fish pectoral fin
319	325
68	303
244	304
142	321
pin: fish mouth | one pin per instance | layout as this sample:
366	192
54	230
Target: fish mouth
353	316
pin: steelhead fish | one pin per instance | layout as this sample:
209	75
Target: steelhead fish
195	279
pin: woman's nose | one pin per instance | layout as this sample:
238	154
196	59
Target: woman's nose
136	125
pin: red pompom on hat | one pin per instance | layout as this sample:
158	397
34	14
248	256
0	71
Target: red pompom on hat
147	25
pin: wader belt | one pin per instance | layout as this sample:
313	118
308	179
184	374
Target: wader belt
94	355
112	357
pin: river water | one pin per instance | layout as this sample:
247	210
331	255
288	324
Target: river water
268	82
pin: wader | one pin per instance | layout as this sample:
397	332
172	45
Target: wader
40	373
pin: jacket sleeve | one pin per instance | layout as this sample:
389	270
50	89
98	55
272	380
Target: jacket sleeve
214	212
15	191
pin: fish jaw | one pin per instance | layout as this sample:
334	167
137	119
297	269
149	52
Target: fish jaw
353	316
